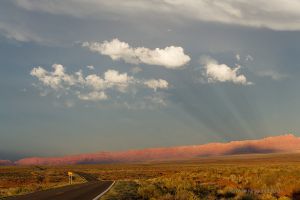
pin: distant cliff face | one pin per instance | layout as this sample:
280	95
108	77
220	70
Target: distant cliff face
5	162
283	143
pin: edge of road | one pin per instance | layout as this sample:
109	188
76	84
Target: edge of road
104	192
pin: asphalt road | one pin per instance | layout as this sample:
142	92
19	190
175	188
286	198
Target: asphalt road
86	191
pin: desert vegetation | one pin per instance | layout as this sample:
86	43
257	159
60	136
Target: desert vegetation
224	182
257	178
17	180
217	182
265	177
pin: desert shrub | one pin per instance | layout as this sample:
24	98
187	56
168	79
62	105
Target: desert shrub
204	191
284	198
225	194
248	197
164	197
149	190
123	190
185	195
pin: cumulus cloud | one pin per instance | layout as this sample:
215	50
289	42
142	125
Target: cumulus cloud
56	79
114	77
155	84
170	57
215	72
120	81
92	87
96	82
274	14
93	96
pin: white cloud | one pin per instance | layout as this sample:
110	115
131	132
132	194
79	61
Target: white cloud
56	79
92	87
238	57
155	84
215	72
93	96
115	79
273	14
95	81
170	57
112	78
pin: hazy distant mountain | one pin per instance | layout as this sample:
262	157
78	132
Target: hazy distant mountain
276	144
5	162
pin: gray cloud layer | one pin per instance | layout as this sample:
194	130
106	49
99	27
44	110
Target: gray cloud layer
273	14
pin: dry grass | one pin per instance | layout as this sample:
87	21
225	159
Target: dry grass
19	180
231	177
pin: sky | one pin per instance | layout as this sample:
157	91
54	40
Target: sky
87	76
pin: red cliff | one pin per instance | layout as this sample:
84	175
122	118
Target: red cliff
276	144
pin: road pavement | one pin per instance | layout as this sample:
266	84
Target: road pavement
85	191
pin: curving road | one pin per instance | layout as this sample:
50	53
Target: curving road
91	190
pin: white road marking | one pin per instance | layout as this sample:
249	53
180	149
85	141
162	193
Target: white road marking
100	195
